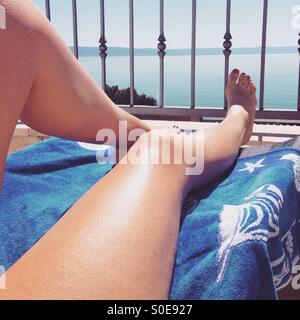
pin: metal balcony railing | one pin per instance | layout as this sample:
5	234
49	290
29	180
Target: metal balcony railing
192	111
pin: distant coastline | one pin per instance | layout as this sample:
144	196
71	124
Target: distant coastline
120	51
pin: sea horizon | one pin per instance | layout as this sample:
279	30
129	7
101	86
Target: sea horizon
281	79
125	51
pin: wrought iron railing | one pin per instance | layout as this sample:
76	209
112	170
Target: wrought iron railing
193	112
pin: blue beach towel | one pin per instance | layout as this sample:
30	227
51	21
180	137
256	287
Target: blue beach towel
40	184
239	238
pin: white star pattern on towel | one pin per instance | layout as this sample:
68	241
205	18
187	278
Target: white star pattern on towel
251	167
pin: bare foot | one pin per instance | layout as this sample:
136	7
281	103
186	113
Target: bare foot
241	95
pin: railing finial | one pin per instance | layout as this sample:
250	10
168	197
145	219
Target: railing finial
162	46
161	53
227	44
103	46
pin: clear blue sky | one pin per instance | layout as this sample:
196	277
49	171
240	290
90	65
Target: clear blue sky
246	22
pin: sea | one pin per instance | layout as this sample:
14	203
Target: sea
281	77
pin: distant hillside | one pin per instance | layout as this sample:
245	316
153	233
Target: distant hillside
119	51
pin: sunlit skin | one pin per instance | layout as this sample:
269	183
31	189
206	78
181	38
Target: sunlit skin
119	240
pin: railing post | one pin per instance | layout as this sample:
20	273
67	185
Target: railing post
131	49
161	53
103	46
227	49
193	55
75	29
48	9
298	104
263	56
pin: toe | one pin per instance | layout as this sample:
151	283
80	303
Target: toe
247	81
233	77
252	88
242	79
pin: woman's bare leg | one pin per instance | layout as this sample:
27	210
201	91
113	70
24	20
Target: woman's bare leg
119	240
43	84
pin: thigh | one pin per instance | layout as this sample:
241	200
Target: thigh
17	55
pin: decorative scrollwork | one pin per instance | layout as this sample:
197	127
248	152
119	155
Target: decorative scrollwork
227	44
162	46
103	47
